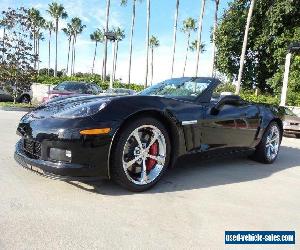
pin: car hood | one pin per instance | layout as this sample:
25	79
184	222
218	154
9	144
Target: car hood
57	105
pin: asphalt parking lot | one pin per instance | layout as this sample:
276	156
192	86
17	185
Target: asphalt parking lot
189	209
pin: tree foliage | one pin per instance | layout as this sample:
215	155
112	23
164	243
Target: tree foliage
274	25
17	58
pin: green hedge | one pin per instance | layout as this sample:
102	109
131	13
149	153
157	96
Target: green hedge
44	79
293	99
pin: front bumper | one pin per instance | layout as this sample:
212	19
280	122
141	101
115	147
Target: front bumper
58	170
291	129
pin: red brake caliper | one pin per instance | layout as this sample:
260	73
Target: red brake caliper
153	150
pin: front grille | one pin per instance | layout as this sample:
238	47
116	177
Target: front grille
32	148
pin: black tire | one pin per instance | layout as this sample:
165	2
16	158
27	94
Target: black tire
260	153
116	170
25	99
297	135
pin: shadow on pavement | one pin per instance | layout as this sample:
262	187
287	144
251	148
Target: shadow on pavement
192	172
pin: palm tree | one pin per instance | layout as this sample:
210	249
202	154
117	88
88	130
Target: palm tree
189	25
194	46
50	27
217	2
77	28
120	35
147	42
242	60
124	3
105	39
97	36
175	36
154	43
39	38
199	49
68	33
57	11
36	22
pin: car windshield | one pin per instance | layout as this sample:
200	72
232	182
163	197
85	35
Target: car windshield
289	112
71	86
182	88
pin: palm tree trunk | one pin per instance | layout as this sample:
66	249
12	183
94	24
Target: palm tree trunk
199	35
3	43
175	36
49	52
72	55
34	49
56	36
95	53
38	55
116	59
186	54
147	42
214	39
69	54
131	39
105	42
242	60
151	66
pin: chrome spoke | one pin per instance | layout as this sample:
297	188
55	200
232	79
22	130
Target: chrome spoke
137	137
154	139
144	172
130	163
272	143
158	158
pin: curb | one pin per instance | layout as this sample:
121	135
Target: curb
22	109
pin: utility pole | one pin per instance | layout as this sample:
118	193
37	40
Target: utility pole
293	48
242	59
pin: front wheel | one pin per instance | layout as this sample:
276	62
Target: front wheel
297	135
268	148
140	155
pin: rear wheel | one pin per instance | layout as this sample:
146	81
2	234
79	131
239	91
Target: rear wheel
140	155
297	135
25	99
268	148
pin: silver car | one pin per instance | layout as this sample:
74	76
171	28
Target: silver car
291	123
24	97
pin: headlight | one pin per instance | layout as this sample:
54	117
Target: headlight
83	110
285	123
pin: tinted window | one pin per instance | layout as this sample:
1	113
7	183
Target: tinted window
180	87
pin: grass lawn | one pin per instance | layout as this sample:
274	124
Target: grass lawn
21	105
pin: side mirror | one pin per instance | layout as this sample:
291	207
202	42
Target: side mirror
225	100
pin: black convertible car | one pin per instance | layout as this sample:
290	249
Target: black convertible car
134	139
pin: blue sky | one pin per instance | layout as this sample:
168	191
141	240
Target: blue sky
92	12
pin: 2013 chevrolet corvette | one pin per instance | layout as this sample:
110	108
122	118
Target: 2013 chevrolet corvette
134	139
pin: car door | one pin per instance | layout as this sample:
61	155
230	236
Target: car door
233	126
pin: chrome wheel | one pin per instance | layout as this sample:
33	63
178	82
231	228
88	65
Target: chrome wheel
272	143
144	154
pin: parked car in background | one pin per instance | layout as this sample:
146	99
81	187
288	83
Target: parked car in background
22	97
291	123
120	91
72	88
